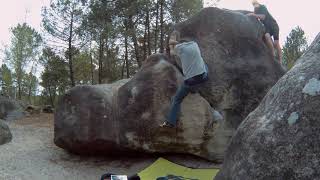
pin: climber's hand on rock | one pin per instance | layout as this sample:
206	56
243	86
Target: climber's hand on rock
173	42
253	15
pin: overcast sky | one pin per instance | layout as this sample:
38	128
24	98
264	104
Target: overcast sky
288	13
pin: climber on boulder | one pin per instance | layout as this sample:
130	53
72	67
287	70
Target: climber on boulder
194	69
271	26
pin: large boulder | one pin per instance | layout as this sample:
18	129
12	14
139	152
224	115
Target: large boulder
11	109
5	134
280	139
125	116
143	104
84	119
241	67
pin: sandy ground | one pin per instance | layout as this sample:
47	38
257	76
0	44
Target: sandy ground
32	155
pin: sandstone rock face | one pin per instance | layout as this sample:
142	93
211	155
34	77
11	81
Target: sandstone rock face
11	109
125	116
84	119
280	139
5	134
240	65
143	103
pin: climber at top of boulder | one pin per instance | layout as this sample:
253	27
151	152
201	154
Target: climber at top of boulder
194	69
272	28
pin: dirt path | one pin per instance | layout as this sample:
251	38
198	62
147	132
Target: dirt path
33	155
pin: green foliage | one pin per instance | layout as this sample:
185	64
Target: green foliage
24	50
182	9
98	21
29	86
7	81
61	17
55	76
88	42
82	68
62	22
294	47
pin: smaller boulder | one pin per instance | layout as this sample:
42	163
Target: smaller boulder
5	134
48	109
33	109
11	109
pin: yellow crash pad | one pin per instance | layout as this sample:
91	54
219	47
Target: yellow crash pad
165	168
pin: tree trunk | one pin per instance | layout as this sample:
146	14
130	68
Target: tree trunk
145	52
19	90
134	39
91	61
145	38
100	60
148	33
30	88
126	54
156	30
161	26
51	97
107	61
122	69
70	54
31	82
92	67
19	81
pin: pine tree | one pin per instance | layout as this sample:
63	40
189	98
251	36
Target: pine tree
24	49
294	47
62	22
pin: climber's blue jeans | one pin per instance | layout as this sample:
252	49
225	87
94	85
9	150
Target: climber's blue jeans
188	86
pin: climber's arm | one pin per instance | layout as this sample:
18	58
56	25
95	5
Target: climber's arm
259	16
173	42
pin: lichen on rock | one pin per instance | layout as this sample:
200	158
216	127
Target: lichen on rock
312	88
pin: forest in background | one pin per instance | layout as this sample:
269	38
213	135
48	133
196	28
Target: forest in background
88	42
